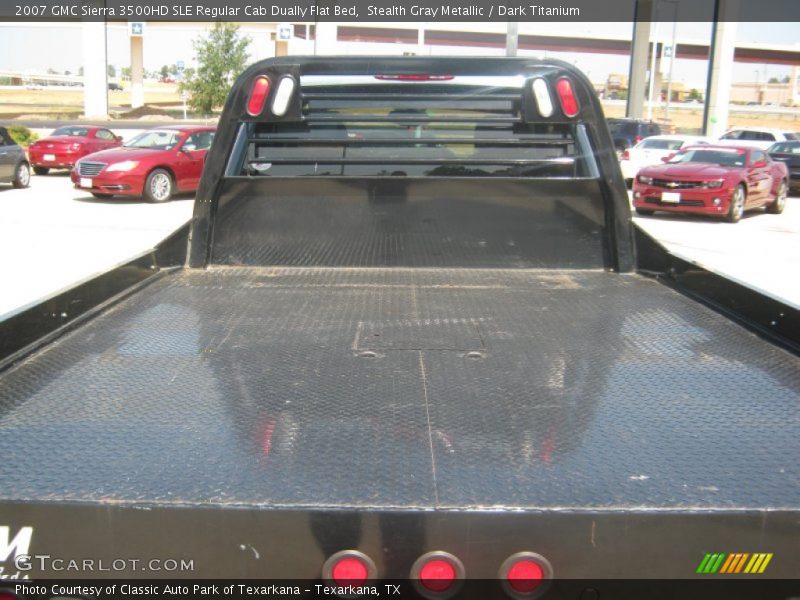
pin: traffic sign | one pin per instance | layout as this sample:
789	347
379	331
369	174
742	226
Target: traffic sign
285	31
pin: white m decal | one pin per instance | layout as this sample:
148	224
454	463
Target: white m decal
19	545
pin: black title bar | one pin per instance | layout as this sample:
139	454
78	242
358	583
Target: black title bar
305	11
733	588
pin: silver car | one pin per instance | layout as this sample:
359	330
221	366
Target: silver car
14	167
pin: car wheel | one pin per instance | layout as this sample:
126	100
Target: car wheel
736	209
41	170
22	176
158	186
779	203
644	211
102	196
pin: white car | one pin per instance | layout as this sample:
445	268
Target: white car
651	151
758	137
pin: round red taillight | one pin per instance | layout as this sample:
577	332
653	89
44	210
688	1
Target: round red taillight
349	567
437	574
349	571
525	575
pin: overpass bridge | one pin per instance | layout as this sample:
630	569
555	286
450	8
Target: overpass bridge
633	39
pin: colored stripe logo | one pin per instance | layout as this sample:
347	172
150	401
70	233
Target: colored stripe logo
737	562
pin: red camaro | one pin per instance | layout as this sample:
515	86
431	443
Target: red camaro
63	148
155	164
712	180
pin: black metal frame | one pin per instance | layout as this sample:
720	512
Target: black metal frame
30	329
618	233
770	318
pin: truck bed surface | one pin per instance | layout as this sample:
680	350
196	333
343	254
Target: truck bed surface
405	388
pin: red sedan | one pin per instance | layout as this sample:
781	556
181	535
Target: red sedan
155	164
63	148
712	180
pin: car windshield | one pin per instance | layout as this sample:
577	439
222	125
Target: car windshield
71	132
159	139
725	158
785	148
661	144
791	136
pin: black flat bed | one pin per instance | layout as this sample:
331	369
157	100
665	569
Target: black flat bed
409	331
408	389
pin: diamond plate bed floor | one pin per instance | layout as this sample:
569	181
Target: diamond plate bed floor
405	388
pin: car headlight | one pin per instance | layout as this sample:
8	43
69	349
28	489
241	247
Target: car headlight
125	165
645	180
713	185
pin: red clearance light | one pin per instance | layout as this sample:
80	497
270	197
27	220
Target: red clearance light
414	77
569	103
349	567
525	575
258	95
637	139
349	571
437	575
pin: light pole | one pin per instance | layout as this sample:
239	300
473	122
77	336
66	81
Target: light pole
758	83
671	61
512	38
653	66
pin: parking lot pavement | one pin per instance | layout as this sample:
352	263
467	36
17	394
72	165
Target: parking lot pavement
761	251
53	237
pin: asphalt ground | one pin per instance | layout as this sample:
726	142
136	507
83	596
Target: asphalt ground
53	237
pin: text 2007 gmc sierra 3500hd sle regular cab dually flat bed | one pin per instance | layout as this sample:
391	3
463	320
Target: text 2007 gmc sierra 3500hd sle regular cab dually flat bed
410	334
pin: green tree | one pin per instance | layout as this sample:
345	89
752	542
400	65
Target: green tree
126	73
694	94
112	71
164	73
220	57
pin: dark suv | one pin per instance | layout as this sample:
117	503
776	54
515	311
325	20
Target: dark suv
14	167
626	133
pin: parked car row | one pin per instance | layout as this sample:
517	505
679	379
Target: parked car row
745	168
713	180
630	133
156	164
